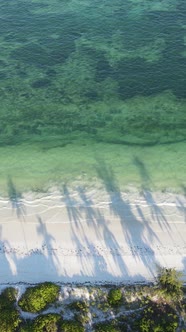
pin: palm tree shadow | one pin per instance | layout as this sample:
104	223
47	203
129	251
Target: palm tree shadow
94	219
146	181
7	265
48	243
38	263
133	228
98	259
15	198
156	211
71	205
89	210
106	174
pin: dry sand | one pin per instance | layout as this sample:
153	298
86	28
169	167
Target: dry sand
91	236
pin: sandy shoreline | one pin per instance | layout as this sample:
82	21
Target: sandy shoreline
93	236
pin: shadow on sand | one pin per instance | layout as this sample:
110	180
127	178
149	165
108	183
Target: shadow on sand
97	260
15	198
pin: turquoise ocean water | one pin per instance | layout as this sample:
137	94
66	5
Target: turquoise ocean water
92	91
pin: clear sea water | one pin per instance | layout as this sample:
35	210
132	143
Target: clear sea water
93	92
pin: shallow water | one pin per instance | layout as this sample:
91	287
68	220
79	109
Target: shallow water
93	92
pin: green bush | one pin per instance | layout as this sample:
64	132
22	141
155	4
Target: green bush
81	318
170	283
158	317
43	323
123	327
27	326
46	323
8	298
79	306
105	327
115	297
9	316
71	326
38	298
9	320
10	294
51	323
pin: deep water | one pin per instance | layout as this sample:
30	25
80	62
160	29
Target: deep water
92	72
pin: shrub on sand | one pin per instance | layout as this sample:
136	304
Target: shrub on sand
71	326
105	327
170	284
38	298
9	315
115	297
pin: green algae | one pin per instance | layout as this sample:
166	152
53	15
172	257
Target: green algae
86	78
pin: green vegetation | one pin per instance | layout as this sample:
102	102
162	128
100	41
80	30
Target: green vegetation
158	317
145	308
87	75
9	319
170	284
81	309
105	327
39	297
81	306
8	296
115	297
162	314
48	323
71	326
139	121
43	323
9	315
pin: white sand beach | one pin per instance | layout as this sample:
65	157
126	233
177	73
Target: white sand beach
94	236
